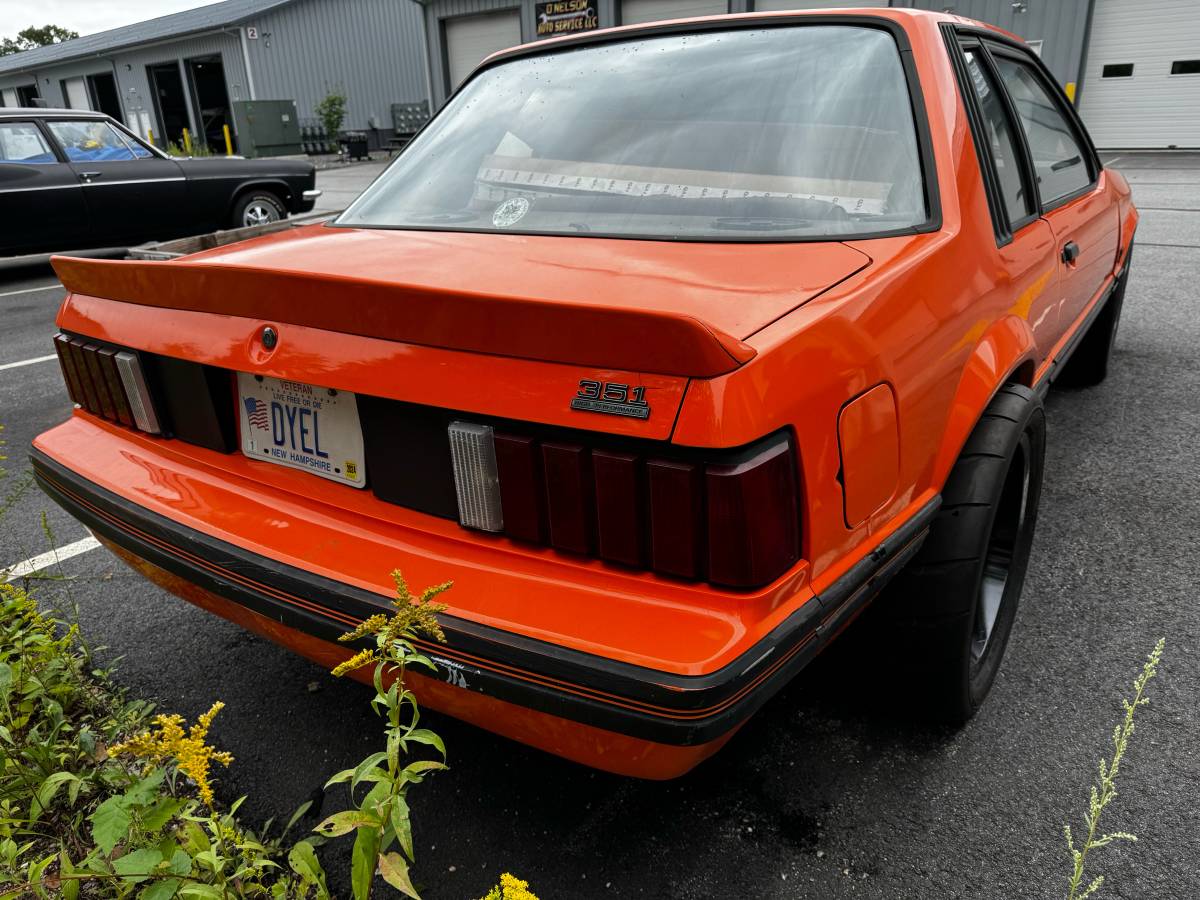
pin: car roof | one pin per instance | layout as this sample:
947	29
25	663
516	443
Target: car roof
26	112
894	14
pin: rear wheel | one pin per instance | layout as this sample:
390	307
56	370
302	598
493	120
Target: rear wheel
257	208
951	611
1088	365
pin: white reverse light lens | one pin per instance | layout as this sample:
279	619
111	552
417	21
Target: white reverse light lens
473	453
140	403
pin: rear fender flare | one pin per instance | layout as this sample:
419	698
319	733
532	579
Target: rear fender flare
1005	354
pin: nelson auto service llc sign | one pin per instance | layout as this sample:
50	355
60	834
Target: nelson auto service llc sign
565	17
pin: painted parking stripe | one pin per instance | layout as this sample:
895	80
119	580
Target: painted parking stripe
48	287
29	362
48	559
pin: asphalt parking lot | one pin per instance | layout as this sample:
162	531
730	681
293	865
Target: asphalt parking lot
831	791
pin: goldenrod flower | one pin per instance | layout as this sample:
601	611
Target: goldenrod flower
511	888
357	661
189	751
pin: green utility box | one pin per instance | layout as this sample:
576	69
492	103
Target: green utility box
267	128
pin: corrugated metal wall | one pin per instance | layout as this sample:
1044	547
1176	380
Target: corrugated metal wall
133	81
1059	24
371	50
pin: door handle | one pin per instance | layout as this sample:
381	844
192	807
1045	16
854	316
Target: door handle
88	176
1070	252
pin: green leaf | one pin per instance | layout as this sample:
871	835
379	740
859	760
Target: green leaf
363	861
5	680
403	826
44	795
146	789
363	767
110	823
180	863
344	775
201	892
394	869
304	862
300	811
161	813
425	736
345	822
138	865
161	890
68	886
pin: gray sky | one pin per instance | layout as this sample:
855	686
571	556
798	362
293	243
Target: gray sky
85	16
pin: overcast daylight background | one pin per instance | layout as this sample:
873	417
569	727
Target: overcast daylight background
86	16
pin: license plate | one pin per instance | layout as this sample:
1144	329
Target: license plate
302	426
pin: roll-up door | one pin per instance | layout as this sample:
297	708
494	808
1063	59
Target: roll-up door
76	94
1142	85
471	38
635	11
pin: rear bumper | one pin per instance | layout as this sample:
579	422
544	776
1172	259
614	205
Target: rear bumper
617	712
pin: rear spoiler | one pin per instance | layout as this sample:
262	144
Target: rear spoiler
633	340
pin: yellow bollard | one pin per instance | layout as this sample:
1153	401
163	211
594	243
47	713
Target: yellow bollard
1070	91
150	135
228	141
187	142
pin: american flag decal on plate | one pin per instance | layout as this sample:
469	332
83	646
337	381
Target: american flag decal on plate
256	411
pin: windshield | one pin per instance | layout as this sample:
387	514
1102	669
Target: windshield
769	133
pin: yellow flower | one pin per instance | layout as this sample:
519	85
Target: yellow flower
357	661
190	751
510	888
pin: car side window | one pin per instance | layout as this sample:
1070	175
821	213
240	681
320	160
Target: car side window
1059	160
1001	139
21	142
90	140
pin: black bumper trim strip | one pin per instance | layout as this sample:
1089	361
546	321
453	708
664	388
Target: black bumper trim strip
621	697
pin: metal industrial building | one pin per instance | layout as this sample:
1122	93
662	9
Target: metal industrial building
1133	66
188	69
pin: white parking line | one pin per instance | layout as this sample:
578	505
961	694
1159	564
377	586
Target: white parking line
45	560
29	362
48	287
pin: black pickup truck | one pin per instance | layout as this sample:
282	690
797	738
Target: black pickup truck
71	179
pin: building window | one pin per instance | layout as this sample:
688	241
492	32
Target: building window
1117	70
1185	67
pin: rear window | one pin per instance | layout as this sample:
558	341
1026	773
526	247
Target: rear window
775	133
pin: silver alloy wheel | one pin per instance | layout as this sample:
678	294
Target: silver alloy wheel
260	212
1007	528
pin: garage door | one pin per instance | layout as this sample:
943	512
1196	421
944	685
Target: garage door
1142	86
635	11
471	38
773	5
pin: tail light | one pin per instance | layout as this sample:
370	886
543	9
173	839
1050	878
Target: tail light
474	457
107	382
729	518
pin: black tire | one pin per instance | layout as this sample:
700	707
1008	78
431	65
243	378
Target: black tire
257	207
951	611
1088	365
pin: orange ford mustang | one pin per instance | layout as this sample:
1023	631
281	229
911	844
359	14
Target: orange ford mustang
672	345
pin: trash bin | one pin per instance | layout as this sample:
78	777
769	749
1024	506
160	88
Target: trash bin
354	144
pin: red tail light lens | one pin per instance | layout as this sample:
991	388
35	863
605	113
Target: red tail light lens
106	381
569	496
753	525
676	492
618	506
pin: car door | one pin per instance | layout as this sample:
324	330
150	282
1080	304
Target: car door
1024	241
132	193
1086	222
41	201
